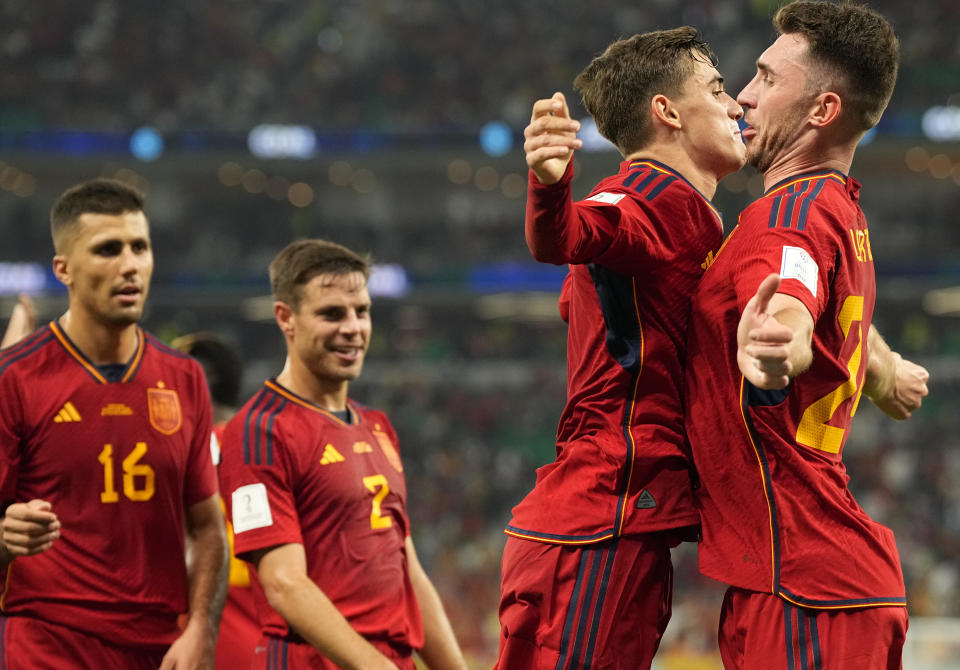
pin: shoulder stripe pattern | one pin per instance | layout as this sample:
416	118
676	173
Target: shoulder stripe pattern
24	348
303	402
801	191
670	175
775	550
581	624
257	427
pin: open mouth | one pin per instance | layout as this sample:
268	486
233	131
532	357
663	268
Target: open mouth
128	294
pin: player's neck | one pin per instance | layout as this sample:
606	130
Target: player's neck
806	159
329	394
679	160
101	343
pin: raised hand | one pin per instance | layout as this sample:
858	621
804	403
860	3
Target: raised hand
763	343
550	138
908	392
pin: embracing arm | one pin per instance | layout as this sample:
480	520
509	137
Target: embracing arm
208	588
895	385
282	571
774	337
440	648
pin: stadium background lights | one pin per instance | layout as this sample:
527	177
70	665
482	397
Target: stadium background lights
496	138
485	178
942	123
270	141
940	165
16	181
16	278
146	144
256	182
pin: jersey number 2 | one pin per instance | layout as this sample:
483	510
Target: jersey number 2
131	469
377	484
814	431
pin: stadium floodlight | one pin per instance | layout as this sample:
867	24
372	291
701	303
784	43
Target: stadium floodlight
146	144
282	141
942	123
496	138
29	278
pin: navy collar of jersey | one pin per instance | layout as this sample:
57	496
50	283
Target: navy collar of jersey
276	387
666	168
125	374
806	175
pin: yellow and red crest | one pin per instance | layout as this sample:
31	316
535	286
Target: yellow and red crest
164	407
388	449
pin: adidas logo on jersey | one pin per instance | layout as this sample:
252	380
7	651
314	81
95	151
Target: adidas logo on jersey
67	414
646	500
330	455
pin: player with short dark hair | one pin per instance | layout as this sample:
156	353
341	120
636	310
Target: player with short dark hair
316	490
223	368
774	374
105	466
586	574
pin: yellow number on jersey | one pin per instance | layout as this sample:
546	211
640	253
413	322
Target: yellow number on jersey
377	484
814	431
131	468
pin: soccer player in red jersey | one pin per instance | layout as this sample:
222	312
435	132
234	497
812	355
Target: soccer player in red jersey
105	466
316	492
223	367
586	573
774	374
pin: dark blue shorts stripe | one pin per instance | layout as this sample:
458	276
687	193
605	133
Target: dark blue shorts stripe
571	611
586	610
815	641
802	638
788	629
598	609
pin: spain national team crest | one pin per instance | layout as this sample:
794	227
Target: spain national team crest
164	407
389	450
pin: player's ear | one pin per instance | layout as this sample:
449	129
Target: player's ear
664	111
826	109
61	270
284	316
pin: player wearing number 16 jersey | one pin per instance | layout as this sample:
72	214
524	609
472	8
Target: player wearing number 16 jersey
104	465
774	374
315	490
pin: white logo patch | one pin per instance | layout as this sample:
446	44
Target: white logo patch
607	198
251	508
797	264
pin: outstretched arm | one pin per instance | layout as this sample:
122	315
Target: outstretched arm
440	648
774	337
895	385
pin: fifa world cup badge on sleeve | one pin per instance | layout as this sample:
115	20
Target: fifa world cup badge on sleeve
164	408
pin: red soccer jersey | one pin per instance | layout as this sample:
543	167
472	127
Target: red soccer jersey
292	472
777	514
637	246
117	461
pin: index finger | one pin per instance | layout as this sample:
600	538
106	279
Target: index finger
28	513
553	106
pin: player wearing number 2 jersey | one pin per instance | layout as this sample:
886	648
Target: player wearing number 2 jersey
774	374
104	463
315	489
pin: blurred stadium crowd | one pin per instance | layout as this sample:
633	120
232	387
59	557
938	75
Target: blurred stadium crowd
471	372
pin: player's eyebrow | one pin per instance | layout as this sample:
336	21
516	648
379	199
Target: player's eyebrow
763	67
716	80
